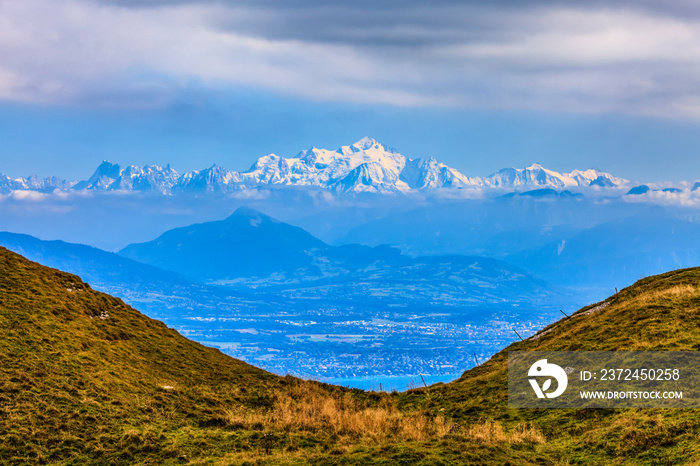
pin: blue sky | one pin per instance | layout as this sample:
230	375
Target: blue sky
478	86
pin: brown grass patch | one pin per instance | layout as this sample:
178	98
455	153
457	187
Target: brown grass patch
308	407
674	293
491	433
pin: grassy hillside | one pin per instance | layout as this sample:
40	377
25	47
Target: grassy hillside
85	379
660	313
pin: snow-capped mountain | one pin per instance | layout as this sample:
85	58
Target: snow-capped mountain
33	183
212	180
368	166
111	177
536	176
364	167
428	173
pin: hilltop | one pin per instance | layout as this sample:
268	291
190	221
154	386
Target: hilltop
84	378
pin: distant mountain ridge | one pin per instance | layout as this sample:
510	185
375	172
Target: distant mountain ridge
537	176
102	269
251	249
247	243
366	166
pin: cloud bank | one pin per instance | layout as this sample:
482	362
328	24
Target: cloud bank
639	58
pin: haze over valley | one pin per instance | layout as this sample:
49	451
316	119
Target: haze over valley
360	265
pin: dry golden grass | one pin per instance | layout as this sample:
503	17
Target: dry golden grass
491	433
307	407
674	293
525	434
354	426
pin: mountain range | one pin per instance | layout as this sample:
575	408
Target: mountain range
251	251
366	166
274	295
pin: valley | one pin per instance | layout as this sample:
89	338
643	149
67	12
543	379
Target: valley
87	379
313	233
375	314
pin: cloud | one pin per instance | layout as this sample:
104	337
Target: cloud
683	198
32	196
632	57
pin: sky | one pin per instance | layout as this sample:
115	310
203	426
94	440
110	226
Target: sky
478	85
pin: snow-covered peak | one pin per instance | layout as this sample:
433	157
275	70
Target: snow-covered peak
108	169
214	179
110	176
536	176
318	157
103	177
365	166
325	168
367	143
370	177
595	177
147	178
33	183
368	150
428	173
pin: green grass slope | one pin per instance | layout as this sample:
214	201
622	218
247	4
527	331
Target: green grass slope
85	379
660	313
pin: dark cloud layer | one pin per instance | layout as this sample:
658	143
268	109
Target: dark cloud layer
408	23
596	56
